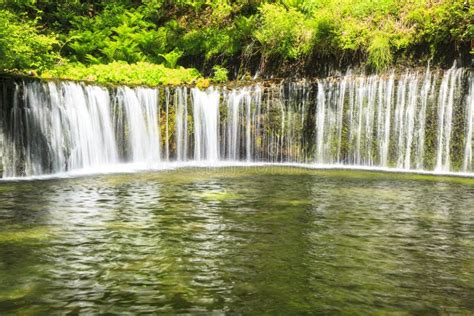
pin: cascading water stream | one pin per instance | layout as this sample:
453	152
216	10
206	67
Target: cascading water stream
450	82
58	127
142	123
206	123
181	108
418	120
468	161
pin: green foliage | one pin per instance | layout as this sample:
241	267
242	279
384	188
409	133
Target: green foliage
284	31
222	34
171	58
21	45
220	74
448	21
116	34
380	55
141	73
208	42
199	33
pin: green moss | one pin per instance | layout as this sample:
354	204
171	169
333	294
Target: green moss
218	196
141	73
17	293
26	235
120	225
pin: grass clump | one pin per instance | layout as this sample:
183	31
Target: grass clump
380	54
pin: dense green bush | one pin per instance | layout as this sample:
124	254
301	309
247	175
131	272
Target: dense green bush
116	34
284	31
21	45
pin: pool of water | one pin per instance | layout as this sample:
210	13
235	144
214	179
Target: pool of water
275	240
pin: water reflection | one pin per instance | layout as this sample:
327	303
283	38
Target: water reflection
276	240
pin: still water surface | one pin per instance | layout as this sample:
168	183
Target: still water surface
239	240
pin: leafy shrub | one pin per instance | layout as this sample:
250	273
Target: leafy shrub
116	34
220	74
284	31
203	83
22	46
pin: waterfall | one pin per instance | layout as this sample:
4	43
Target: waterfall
416	120
384	114
449	84
426	89
57	127
141	108
181	109
233	117
467	164
320	123
167	108
241	124
206	122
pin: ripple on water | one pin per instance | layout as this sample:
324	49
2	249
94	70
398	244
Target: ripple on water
249	241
